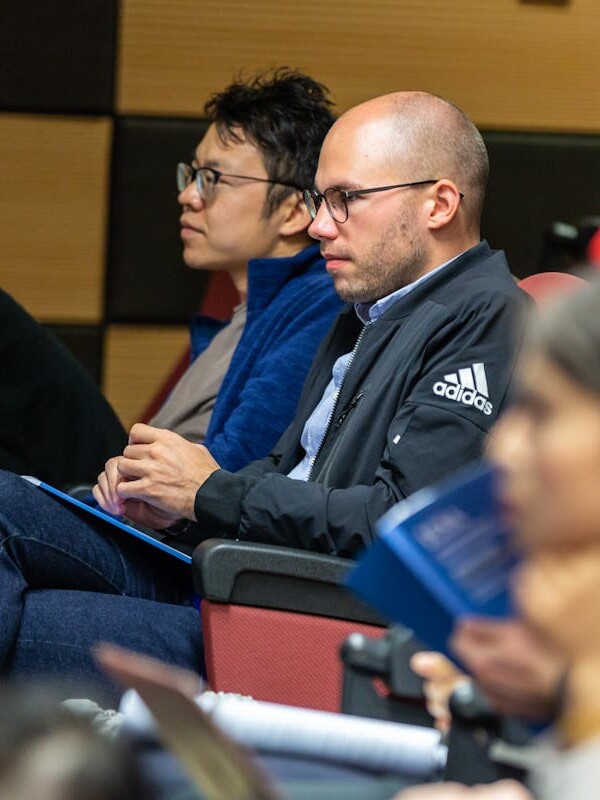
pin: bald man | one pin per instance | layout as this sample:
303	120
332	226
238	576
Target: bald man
414	372
402	392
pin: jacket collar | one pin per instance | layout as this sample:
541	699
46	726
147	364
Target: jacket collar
495	262
267	276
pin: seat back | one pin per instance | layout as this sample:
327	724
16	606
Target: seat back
274	620
544	286
276	655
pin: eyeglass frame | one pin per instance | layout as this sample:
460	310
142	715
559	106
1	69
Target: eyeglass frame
195	174
315	199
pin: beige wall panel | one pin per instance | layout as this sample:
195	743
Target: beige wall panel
509	64
53	201
137	361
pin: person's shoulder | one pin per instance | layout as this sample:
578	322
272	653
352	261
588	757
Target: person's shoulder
492	296
479	296
488	282
320	282
312	288
8	305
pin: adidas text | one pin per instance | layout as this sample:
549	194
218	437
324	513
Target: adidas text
463	395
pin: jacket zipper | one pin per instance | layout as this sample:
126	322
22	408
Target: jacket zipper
334	407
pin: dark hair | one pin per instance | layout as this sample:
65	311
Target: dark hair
567	333
286	115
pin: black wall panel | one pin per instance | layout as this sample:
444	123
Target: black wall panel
147	280
85	342
534	180
58	56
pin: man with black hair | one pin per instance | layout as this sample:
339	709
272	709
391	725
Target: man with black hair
242	212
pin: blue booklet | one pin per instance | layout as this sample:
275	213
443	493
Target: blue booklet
443	553
159	539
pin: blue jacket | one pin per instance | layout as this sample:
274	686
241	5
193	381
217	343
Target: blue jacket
291	305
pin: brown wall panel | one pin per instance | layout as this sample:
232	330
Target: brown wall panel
512	65
509	64
137	361
53	200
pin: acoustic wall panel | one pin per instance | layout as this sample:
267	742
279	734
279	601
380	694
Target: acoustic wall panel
57	56
137	360
510	65
53	202
535	180
146	277
86	343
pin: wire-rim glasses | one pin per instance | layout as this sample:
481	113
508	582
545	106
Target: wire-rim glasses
336	199
207	178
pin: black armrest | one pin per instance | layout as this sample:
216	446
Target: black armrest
484	746
262	575
388	659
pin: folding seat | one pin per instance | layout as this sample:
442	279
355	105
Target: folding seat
274	619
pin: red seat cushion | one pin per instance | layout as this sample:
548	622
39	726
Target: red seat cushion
278	656
545	286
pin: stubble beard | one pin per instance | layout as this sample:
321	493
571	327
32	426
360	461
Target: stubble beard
382	271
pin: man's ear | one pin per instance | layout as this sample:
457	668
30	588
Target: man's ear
293	214
443	203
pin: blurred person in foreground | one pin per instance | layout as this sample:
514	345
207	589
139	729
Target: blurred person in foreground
49	753
547	447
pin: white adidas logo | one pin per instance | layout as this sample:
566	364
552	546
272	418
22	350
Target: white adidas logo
467	386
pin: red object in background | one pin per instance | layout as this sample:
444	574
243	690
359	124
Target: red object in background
276	655
545	286
593	250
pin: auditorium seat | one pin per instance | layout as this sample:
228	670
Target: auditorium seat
544	286
274	620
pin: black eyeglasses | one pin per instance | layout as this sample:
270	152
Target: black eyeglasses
336	199
207	178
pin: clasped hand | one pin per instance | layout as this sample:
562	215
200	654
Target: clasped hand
156	479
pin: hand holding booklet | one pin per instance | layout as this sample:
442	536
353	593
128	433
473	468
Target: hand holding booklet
443	553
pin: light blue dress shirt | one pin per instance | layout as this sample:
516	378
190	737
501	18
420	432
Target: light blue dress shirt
316	425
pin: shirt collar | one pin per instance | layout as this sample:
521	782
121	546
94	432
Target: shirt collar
371	312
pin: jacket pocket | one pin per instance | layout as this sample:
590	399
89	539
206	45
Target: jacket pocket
347	410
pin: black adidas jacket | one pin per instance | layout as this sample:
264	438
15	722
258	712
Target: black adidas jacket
427	381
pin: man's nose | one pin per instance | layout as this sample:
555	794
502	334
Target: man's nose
323	225
190	196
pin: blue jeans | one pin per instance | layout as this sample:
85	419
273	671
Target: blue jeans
68	580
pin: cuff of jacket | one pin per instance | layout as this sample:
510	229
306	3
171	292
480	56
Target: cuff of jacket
218	503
